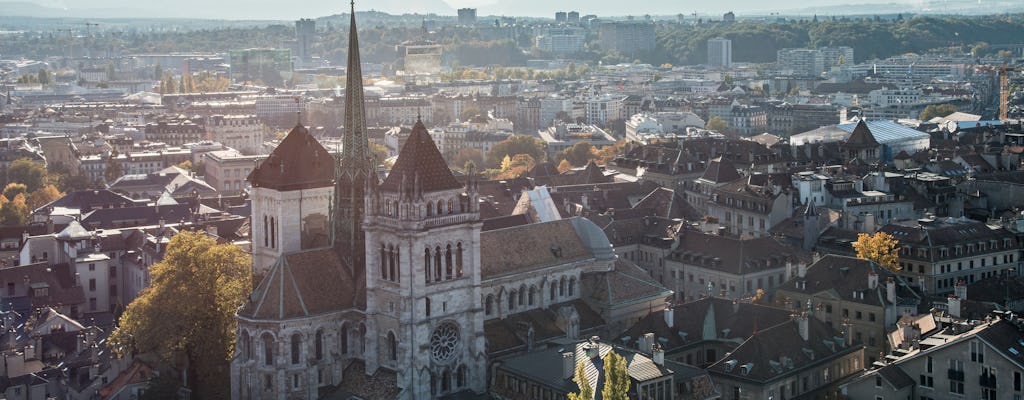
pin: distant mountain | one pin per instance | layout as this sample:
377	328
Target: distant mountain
26	9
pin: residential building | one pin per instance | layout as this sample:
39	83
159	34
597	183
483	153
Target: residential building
720	52
627	37
244	133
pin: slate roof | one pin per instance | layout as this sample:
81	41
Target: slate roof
711	314
420	160
62	290
525	247
627	282
720	170
782	341
86	200
896	377
505	334
840	276
731	255
298	162
306	283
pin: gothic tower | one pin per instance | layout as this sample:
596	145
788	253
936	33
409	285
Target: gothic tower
354	170
423	274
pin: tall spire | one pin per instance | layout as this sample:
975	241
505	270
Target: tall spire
354	171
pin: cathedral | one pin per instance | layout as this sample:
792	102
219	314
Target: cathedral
392	289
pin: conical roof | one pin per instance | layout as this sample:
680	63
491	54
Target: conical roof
299	162
420	160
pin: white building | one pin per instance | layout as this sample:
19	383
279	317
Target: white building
561	41
244	133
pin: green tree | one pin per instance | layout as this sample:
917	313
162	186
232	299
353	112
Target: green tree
45	77
717	124
113	168
468	113
616	378
579	154
515	144
880	248
580	377
187	314
936	110
29	172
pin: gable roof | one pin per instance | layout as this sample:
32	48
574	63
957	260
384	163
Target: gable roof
720	170
523	248
306	283
421	161
861	136
299	162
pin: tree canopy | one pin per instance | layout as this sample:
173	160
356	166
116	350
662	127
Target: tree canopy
188	311
515	144
936	110
717	124
31	173
616	378
880	248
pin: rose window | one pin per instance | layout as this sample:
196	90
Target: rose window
444	341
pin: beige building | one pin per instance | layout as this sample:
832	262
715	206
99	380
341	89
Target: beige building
227	170
244	133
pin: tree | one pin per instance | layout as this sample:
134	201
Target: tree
579	154
26	171
468	113
185	165
45	78
616	378
936	110
880	248
13	189
563	166
187	314
15	212
43	197
580	377
515	144
112	170
717	124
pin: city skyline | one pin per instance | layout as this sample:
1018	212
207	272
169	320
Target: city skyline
267	10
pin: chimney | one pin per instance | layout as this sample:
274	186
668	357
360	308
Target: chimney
801	270
872	280
890	290
848	333
30	352
954	306
659	355
568	365
669	315
803	327
647	343
960	290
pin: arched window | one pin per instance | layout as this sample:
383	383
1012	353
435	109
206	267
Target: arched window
344	339
553	289
448	262
266	232
522	295
572	285
392	273
392	347
440	208
362	338
398	265
246	349
561	287
451	206
273	233
458	260
383	262
296	348
426	265
489	305
433	385
437	264
268	349
533	293
446	381
512	300
426	305
430	210
460	376
387	207
319	345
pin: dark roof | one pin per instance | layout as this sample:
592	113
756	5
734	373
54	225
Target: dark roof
841	276
86	200
507	333
720	170
299	162
306	283
420	161
734	256
861	136
896	376
625	284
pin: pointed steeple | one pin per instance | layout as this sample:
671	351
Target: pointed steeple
355	170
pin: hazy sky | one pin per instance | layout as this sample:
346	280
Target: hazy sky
277	9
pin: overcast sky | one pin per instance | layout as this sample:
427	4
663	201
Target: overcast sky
277	9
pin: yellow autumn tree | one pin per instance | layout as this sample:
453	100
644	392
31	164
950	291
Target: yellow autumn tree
880	247
187	315
43	197
586	391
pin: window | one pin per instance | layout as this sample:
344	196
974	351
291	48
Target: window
344	339
296	348
927	381
977	352
113	271
268	349
92	285
392	347
319	345
426	305
92	267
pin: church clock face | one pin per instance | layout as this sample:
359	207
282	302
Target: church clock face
444	341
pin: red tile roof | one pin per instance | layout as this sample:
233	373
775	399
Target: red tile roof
299	162
420	159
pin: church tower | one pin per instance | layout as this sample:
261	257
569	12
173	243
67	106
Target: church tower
291	199
423	274
354	170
